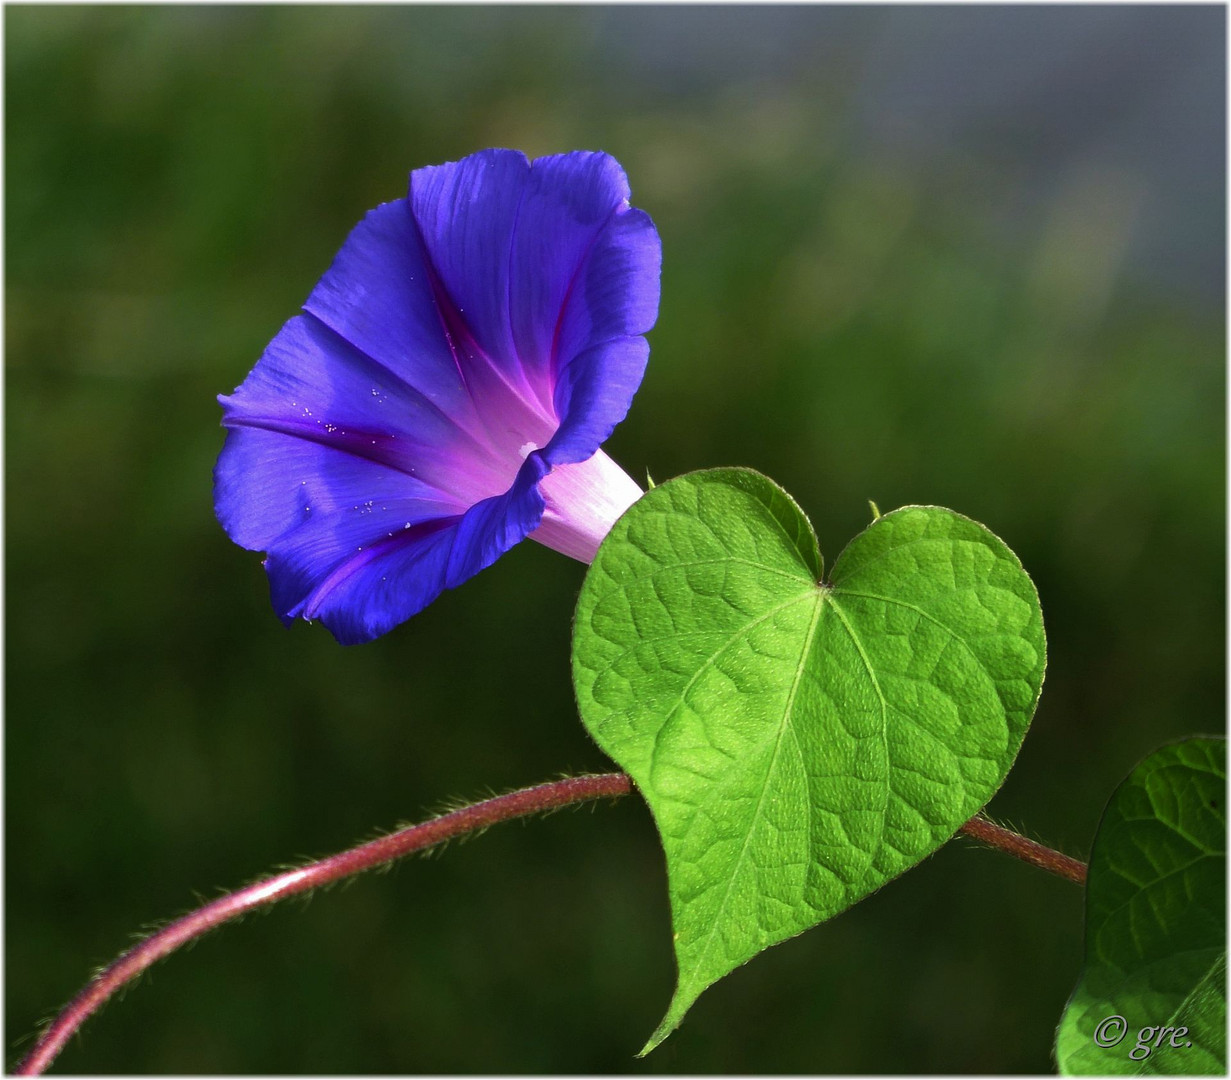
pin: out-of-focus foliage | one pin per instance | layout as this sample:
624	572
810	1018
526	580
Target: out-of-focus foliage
1156	925
856	322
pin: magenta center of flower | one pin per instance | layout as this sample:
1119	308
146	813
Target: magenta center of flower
501	431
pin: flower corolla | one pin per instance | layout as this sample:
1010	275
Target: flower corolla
445	391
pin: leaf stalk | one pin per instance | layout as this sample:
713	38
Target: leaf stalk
1021	847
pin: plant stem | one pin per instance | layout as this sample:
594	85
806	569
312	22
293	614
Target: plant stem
1011	843
367	856
469	819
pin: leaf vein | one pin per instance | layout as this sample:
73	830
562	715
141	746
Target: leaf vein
784	727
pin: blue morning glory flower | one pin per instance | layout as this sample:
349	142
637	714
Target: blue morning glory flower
446	390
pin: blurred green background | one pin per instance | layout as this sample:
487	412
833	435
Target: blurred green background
967	256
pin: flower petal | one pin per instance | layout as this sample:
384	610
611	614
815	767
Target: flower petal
569	201
360	584
311	386
494	525
378	296
466	212
514	246
593	395
617	292
365	568
267	485
601	355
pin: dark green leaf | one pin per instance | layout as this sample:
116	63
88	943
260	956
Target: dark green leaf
1152	998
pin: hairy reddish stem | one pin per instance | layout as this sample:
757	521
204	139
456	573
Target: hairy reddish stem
1036	854
129	965
533	800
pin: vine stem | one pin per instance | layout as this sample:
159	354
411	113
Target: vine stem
367	856
374	853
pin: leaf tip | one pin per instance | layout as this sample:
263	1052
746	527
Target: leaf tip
669	1024
681	1002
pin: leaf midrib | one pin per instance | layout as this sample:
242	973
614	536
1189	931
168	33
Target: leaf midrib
823	595
1220	961
710	660
819	599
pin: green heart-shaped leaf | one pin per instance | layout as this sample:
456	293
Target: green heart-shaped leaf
1153	996
799	743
